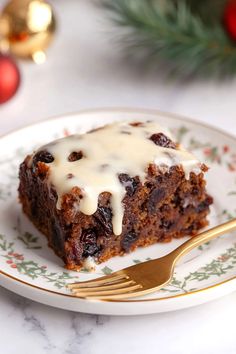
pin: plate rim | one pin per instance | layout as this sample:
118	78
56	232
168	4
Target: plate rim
99	110
121	109
25	283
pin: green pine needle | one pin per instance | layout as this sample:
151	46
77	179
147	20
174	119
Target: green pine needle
174	35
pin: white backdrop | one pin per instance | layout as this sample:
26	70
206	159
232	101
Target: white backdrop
84	70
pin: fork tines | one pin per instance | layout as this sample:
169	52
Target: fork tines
111	285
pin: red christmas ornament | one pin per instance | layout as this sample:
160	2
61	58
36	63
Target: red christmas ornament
9	78
230	18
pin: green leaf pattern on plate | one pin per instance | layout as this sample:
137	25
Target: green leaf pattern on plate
17	261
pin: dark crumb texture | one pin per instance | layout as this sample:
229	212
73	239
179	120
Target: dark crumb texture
167	206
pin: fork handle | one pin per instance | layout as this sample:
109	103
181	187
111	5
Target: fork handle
202	238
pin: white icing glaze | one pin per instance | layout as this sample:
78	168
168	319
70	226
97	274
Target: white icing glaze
107	152
89	264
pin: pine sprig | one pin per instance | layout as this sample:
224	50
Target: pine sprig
172	34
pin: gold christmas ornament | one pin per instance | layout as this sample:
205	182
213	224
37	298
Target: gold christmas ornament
27	28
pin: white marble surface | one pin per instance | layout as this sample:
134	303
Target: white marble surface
84	70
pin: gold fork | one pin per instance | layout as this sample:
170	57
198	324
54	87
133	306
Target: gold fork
147	277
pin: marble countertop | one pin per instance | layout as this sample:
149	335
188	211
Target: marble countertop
85	69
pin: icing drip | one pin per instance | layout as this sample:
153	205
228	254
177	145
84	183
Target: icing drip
93	162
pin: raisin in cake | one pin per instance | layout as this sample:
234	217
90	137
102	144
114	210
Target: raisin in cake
111	190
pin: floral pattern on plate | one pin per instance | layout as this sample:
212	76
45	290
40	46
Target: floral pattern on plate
25	255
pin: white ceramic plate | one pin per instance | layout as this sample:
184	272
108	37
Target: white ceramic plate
29	268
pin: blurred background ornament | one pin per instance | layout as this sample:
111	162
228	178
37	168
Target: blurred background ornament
9	78
230	18
27	28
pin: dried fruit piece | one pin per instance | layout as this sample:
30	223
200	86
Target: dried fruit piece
156	196
43	156
162	140
129	183
90	242
128	240
104	216
75	156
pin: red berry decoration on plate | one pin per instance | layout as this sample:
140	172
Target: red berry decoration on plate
230	18
9	78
